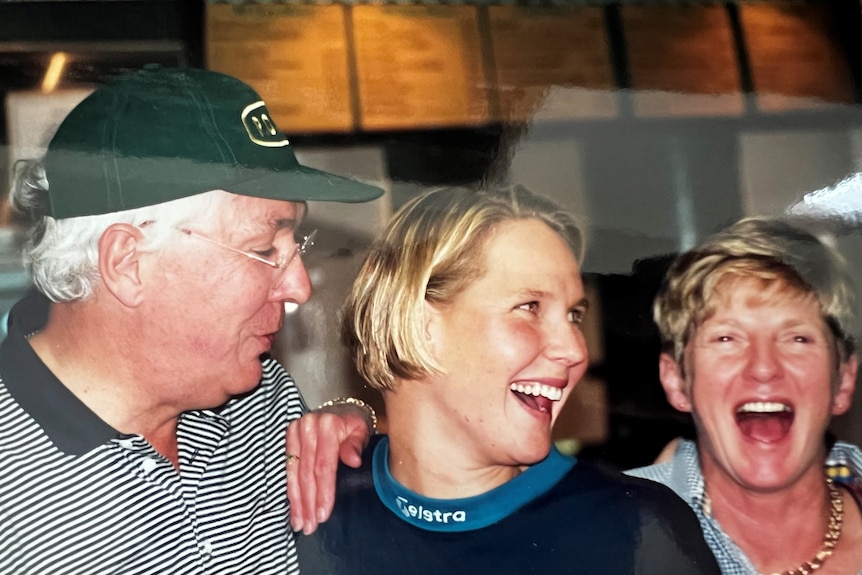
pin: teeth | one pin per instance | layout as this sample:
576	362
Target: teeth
764	407
537	389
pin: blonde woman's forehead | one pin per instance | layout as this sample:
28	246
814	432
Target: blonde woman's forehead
737	293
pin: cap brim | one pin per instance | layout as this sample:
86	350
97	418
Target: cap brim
302	183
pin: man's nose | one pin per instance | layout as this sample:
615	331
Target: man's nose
292	284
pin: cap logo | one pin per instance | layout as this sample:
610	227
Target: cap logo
260	127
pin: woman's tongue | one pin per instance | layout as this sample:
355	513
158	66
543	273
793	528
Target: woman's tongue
765	427
537	402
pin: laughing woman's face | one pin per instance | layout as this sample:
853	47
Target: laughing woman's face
511	346
763	385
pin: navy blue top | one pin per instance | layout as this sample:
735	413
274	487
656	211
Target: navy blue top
559	516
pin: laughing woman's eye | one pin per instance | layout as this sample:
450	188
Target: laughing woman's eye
577	315
531	306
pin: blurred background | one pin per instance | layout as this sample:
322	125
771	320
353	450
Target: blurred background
656	122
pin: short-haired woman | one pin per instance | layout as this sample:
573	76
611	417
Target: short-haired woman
757	332
466	316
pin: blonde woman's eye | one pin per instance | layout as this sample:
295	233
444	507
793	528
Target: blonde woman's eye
531	306
577	315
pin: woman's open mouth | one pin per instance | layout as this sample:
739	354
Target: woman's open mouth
764	421
537	396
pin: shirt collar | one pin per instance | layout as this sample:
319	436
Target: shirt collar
454	515
70	425
689	474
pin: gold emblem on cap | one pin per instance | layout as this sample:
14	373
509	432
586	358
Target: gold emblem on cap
260	127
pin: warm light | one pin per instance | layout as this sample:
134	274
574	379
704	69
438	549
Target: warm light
54	72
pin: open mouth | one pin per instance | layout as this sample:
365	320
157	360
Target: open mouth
764	421
537	396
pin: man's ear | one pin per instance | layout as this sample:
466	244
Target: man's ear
847	372
118	262
673	382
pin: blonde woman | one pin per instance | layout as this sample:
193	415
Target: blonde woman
467	317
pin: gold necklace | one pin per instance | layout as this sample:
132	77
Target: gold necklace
830	540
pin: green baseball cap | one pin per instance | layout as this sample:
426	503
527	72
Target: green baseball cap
159	134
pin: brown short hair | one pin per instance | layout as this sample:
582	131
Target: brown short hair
770	249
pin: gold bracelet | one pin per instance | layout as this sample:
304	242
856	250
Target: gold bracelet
358	403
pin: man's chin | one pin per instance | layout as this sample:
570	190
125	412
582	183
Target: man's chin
248	381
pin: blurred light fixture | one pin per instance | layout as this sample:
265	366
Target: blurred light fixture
290	307
54	72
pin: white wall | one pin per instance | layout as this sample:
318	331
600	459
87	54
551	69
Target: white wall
308	345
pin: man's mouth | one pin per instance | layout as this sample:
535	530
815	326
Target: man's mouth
269	338
536	395
764	421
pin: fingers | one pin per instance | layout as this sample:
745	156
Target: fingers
304	480
329	439
314	442
294	493
350	451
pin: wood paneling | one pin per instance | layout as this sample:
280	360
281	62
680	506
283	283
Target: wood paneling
682	61
796	60
554	61
419	67
295	56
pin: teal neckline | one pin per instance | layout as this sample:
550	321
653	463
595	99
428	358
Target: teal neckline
466	514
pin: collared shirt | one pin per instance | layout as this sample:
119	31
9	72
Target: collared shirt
683	474
78	497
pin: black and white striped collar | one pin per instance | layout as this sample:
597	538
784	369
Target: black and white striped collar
68	422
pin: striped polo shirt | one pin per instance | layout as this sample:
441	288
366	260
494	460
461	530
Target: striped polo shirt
79	498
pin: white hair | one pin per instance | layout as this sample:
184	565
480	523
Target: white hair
62	255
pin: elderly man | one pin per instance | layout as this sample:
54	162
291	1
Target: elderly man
142	424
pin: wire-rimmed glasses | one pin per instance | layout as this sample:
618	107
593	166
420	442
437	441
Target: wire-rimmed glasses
284	260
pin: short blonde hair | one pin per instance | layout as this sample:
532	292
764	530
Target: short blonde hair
430	250
769	249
